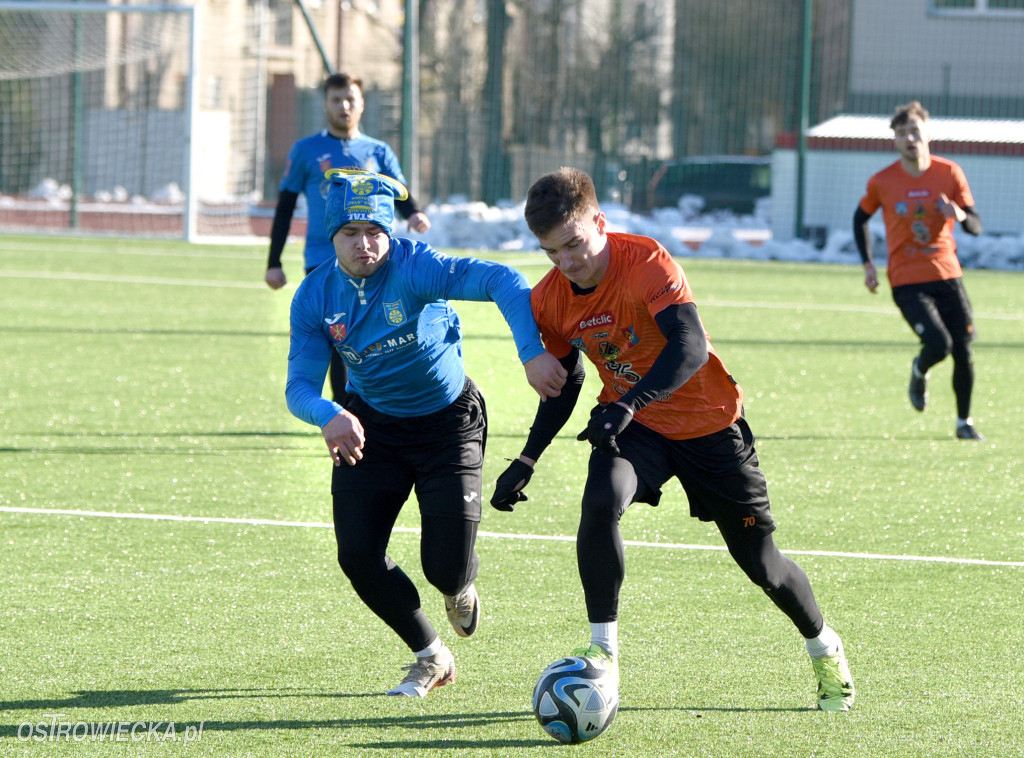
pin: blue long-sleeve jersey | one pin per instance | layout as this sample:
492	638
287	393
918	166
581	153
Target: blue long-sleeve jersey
309	158
396	331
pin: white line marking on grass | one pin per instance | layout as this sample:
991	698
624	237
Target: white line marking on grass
495	535
711	302
129	279
68	276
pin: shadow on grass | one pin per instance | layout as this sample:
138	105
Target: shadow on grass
178	332
50	330
169	433
55	710
171	442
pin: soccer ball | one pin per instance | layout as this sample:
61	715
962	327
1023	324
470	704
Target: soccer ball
576	699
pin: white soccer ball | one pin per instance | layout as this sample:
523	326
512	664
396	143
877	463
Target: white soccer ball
576	699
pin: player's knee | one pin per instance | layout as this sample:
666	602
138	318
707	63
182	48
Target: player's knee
763	564
766	577
937	345
962	352
446	579
601	506
357	563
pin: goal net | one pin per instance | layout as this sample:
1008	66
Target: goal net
106	125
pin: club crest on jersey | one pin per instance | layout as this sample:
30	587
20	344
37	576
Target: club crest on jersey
609	351
901	209
338	332
630	336
394	313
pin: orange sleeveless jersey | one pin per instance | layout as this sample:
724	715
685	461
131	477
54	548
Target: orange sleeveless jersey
919	236
614	327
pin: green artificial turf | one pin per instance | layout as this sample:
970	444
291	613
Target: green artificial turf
146	379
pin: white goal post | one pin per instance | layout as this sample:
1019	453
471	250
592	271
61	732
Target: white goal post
97	114
138	120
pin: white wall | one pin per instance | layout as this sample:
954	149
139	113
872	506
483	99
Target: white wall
835	182
899	44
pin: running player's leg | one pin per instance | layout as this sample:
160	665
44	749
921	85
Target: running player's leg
917	304
449	482
448	552
723	480
363	521
955	310
779	577
611	486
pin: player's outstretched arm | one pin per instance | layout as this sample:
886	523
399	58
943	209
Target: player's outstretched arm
552	415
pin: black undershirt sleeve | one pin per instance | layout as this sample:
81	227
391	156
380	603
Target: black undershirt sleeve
407	207
553	413
683	355
282	223
861	234
971	224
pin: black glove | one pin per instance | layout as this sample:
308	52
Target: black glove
605	426
510	485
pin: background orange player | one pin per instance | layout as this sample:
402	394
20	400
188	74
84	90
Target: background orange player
920	196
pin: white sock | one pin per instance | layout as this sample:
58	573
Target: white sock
607	636
826	643
432	649
964	422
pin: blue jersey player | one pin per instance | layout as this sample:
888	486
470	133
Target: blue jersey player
411	418
340	145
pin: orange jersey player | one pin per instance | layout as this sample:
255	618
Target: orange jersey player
921	196
668	407
623	340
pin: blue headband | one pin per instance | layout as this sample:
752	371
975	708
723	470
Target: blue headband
358	195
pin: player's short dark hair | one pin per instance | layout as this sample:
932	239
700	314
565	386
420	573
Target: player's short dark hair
341	81
905	111
558	198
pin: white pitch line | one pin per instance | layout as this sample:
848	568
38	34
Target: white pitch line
128	279
496	535
797	307
709	303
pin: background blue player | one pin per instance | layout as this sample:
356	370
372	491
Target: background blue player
340	145
412	417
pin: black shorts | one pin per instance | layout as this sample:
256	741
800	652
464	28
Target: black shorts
441	455
719	473
934	308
